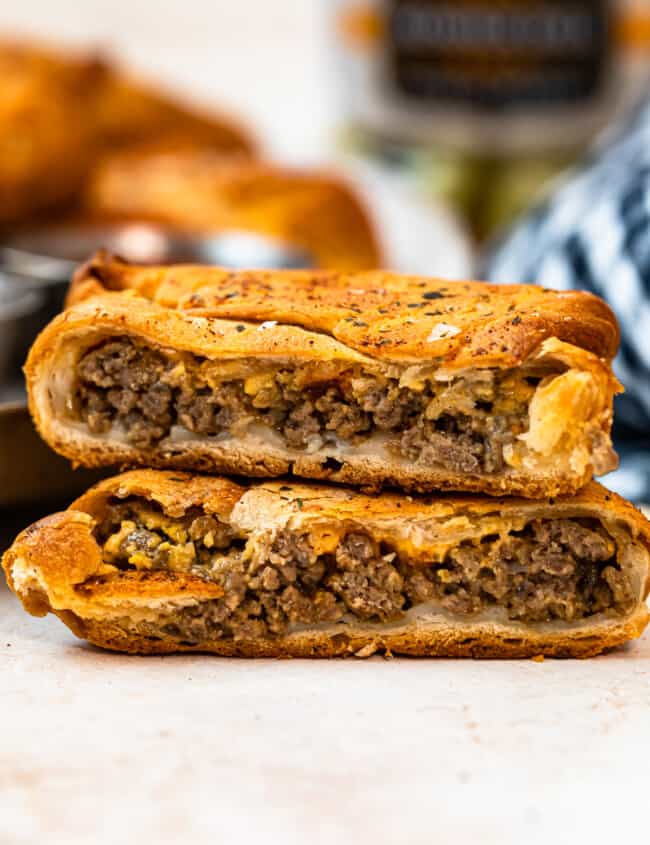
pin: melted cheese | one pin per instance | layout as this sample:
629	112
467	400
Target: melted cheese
414	542
254	384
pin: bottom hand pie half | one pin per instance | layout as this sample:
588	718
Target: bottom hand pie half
155	562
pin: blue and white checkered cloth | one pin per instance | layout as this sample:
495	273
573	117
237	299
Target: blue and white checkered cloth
593	233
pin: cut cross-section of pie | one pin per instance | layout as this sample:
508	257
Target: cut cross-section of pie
365	378
156	562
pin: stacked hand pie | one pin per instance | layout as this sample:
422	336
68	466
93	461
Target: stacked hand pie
400	386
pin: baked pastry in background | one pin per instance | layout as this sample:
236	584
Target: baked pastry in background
47	140
132	114
79	136
206	191
61	110
364	378
152	562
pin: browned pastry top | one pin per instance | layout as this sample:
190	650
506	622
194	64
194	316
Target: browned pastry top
178	492
376	313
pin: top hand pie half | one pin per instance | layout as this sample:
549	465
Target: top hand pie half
367	378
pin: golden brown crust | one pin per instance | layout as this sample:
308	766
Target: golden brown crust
56	566
379	314
175	492
205	191
478	642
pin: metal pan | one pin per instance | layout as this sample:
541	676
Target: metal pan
29	470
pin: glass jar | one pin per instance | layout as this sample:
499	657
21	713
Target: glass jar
484	100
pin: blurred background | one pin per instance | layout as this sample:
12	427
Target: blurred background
506	140
237	56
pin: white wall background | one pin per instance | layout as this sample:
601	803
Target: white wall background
265	59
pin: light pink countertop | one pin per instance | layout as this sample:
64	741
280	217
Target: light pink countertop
102	748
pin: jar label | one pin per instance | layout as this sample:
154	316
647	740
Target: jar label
498	56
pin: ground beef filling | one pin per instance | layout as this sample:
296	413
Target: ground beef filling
552	570
463	426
